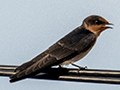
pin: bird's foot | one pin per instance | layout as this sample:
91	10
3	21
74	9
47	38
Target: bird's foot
80	68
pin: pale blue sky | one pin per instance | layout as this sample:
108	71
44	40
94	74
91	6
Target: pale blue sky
28	27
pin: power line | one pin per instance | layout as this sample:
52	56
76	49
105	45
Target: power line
71	74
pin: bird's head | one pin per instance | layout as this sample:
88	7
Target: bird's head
96	24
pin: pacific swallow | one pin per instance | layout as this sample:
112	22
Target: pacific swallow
67	50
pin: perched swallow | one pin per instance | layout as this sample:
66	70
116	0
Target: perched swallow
67	50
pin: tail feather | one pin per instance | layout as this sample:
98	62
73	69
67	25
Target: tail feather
34	69
27	64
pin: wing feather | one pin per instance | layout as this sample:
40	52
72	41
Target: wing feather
29	63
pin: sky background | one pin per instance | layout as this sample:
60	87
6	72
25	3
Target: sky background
28	27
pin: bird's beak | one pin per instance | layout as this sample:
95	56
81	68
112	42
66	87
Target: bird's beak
107	25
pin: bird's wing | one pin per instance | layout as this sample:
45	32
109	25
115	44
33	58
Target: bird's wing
64	49
31	62
37	65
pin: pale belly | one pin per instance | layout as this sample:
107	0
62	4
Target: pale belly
76	58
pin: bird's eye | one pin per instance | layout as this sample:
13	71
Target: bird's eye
97	22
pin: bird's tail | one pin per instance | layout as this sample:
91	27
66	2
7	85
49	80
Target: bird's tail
34	69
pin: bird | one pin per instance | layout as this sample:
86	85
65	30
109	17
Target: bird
69	49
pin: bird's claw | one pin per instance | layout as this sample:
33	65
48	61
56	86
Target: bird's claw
80	68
